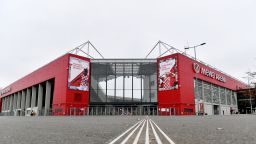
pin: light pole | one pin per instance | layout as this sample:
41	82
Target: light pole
250	76
194	47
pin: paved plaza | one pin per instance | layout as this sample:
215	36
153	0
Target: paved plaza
235	129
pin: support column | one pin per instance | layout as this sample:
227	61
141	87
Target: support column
28	95
40	98
14	101
3	104
33	100
19	100
211	94
47	98
10	103
7	103
203	97
23	102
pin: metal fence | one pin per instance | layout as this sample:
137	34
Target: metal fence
98	111
121	110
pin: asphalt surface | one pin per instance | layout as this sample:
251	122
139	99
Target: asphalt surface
236	129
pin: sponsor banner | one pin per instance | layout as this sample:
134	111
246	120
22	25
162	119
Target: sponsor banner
78	74
168	74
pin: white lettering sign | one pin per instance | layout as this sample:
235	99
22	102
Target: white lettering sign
208	73
4	91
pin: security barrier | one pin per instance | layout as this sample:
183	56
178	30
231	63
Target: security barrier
122	110
98	111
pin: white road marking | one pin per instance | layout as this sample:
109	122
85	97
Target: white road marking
168	139
141	124
126	139
139	133
156	135
147	135
116	139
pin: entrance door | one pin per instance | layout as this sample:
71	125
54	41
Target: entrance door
216	109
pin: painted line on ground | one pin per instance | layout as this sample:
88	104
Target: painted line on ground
155	134
147	134
168	139
139	133
131	133
116	139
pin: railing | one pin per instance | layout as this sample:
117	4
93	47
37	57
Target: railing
121	110
98	111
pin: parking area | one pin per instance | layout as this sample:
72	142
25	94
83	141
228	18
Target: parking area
102	129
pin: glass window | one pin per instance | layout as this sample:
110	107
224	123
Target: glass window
123	82
153	88
207	92
128	80
111	90
198	89
119	86
137	91
215	94
234	98
222	96
228	95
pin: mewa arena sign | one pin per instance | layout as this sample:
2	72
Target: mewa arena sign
208	73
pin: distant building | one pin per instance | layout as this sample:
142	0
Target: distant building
246	100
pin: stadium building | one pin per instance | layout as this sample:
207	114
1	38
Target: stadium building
172	84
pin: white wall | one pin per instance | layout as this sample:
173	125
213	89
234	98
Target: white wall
208	108
226	110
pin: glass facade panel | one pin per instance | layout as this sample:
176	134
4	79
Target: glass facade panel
215	94
121	82
222	96
207	92
228	94
198	89
153	87
234	98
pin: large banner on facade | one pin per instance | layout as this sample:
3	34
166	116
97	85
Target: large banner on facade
78	74
168	74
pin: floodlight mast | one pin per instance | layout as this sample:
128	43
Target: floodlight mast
168	48
80	48
250	76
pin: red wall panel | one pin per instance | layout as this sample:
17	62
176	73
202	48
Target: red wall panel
71	101
169	98
58	69
183	97
0	104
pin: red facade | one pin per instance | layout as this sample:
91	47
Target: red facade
0	104
63	98
180	98
184	96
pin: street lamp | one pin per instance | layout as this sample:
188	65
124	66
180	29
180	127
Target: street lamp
250	76
194	47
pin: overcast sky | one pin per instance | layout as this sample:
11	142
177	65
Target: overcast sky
34	33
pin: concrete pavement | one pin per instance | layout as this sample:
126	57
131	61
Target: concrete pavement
104	129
